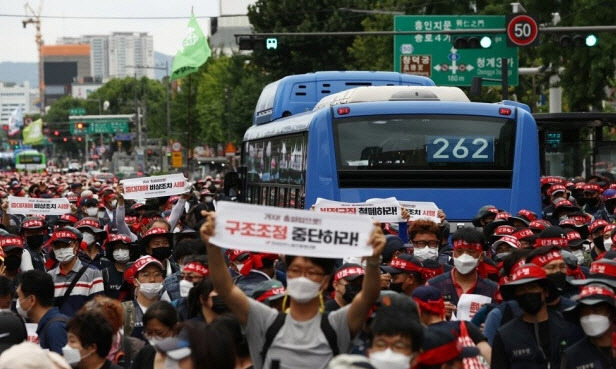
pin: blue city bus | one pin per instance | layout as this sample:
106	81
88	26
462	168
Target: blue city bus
299	93
417	143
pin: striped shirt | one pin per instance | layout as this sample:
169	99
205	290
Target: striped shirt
89	285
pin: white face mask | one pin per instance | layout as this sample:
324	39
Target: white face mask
208	198
426	253
113	204
72	355
121	255
154	340
579	255
88	238
23	313
302	289
150	290
92	212
389	359
607	244
65	254
185	287
465	263
595	325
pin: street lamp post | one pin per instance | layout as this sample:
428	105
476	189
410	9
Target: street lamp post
167	97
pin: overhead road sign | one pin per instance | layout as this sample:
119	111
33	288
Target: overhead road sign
90	124
434	55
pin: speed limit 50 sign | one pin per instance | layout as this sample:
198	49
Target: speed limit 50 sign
522	30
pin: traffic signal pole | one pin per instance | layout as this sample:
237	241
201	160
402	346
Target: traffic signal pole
583	29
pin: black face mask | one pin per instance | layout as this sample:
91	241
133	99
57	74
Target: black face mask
396	287
592	201
35	241
12	262
530	303
350	291
559	279
161	253
218	305
598	241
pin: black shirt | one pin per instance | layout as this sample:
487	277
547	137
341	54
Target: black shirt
449	326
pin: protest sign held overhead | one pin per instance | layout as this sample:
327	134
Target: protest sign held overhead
421	210
157	186
382	210
291	231
28	205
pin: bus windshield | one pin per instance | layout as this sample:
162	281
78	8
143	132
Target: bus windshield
414	142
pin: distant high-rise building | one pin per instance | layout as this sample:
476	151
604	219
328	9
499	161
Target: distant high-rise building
116	55
13	97
233	20
63	65
129	51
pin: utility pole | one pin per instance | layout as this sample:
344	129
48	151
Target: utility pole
35	19
167	92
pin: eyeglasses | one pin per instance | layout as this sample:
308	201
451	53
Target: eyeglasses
422	244
151	274
310	273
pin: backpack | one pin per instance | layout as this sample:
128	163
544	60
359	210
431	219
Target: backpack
129	318
276	326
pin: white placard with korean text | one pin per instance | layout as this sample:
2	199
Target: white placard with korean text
469	304
157	186
382	210
421	210
291	231
27	206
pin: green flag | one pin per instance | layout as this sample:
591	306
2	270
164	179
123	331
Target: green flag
193	52
33	134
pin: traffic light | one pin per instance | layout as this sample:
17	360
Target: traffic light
251	43
577	41
80	125
56	133
472	42
213	25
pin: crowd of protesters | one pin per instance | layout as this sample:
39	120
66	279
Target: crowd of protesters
120	283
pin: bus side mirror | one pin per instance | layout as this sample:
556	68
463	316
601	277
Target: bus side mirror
232	184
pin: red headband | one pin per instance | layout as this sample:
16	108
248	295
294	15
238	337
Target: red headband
408	266
436	307
603	268
440	354
595	291
523	234
461	243
195	267
528	214
270	293
255	261
349	272
554	241
543	260
9	241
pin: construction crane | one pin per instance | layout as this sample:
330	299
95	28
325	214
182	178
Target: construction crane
35	18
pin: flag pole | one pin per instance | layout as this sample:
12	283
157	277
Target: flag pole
188	127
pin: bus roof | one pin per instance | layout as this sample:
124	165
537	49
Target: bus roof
299	93
393	93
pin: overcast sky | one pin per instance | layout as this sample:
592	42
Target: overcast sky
17	44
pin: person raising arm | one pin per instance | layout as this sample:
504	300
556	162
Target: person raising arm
306	330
